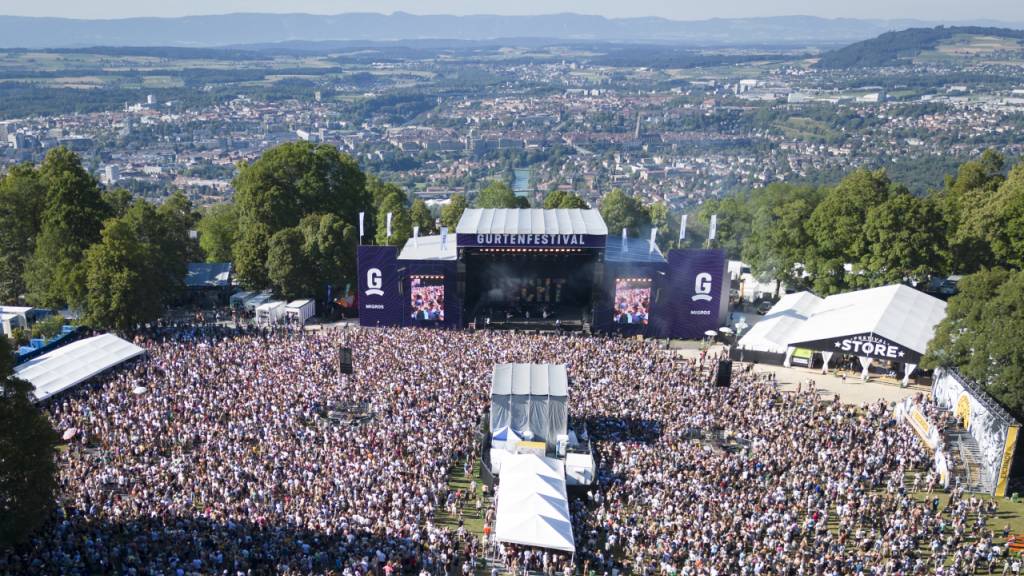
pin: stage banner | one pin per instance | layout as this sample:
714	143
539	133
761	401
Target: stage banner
870	345
531	240
380	298
698	293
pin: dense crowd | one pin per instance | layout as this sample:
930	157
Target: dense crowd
228	452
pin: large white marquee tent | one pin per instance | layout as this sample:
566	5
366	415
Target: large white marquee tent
75	363
533	508
531	400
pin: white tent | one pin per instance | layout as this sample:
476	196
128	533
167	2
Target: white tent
773	332
531	399
533	509
75	363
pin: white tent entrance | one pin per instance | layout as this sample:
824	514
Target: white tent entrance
533	508
530	401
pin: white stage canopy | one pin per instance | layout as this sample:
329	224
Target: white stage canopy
75	363
772	333
533	509
531	221
531	400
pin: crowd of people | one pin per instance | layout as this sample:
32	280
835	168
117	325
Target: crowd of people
221	452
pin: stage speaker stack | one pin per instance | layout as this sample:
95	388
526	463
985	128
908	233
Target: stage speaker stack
723	377
345	360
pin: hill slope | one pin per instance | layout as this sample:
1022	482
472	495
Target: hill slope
238	29
893	48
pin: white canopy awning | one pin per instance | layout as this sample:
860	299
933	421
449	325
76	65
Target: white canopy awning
75	363
533	509
772	333
531	221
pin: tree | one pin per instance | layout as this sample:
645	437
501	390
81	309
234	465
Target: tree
71	222
124	277
164	231
451	213
22	199
27	467
401	223
291	272
777	242
118	201
330	246
733	222
975	183
998	221
980	334
218	231
902	241
496	195
562	199
421	216
283	186
620	210
836	230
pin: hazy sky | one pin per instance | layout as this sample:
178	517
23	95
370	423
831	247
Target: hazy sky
1010	10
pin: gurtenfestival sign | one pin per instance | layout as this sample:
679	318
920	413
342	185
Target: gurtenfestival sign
530	240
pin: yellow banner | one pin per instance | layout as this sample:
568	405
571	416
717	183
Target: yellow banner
920	425
1004	466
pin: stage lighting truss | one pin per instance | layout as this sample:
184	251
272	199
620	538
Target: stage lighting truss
532	250
425	277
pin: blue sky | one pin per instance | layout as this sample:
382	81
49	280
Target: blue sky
949	10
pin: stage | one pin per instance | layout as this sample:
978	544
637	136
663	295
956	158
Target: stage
533	269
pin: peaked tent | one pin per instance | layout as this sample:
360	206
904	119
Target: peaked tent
772	333
533	509
75	363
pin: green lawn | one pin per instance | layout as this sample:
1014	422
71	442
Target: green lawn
474	522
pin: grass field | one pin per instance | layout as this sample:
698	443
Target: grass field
457	481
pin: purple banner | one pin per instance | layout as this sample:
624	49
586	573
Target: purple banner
380	298
699	292
531	240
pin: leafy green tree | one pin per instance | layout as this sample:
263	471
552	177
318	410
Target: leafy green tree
733	222
22	199
124	277
778	241
620	210
48	327
330	245
998	222
960	201
421	216
291	272
902	241
71	222
283	186
27	468
401	223
981	332
496	195
563	199
451	213
836	230
218	231
118	201
164	231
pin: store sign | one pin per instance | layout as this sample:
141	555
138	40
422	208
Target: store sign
868	345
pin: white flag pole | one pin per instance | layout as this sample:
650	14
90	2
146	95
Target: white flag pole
416	236
712	228
682	229
654	238
362	216
623	240
389	225
444	238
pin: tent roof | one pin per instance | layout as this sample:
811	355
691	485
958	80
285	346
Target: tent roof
298	303
428	248
772	333
896	312
533	509
531	221
208	274
533	379
267	306
75	363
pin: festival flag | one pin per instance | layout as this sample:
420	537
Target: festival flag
362	215
623	239
416	236
654	238
682	228
444	238
389	225
713	227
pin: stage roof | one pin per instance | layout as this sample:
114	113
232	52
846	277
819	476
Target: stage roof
532	379
75	363
531	221
896	312
773	332
208	275
637	250
428	248
533	507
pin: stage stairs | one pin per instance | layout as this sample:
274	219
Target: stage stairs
967	461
